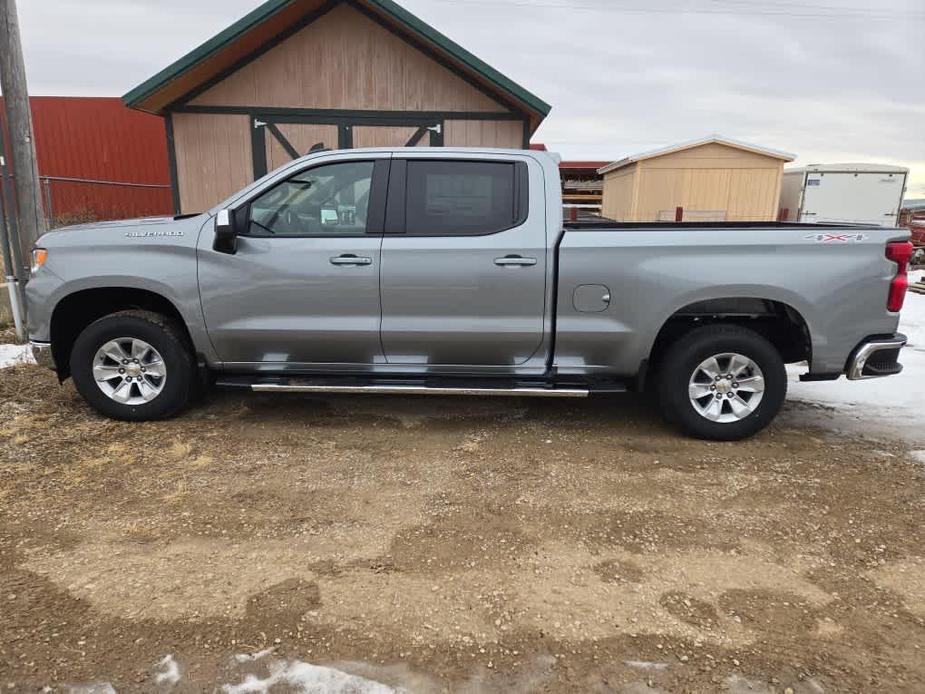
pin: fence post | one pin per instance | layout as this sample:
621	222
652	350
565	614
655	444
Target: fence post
679	214
46	203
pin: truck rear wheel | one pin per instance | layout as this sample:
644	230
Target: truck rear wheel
721	382
133	365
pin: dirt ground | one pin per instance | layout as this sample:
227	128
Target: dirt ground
463	545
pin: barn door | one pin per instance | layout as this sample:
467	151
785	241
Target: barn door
276	140
376	135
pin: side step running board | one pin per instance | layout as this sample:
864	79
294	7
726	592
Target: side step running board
295	387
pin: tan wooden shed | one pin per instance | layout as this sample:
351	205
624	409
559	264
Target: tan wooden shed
345	73
711	179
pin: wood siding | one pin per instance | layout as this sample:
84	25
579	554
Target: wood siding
711	182
302	136
345	60
619	189
227	56
484	133
386	136
213	158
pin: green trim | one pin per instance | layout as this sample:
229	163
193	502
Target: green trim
388	7
334	115
266	46
424	29
200	53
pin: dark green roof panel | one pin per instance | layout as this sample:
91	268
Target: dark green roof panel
392	9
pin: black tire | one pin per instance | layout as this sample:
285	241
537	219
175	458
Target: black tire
683	358
161	333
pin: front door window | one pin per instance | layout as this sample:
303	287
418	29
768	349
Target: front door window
326	200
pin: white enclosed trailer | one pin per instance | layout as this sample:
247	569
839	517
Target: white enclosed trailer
850	193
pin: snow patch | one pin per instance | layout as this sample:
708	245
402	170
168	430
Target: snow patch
170	671
645	665
308	679
250	657
892	406
95	688
13	355
918	455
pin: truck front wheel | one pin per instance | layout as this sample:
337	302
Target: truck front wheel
133	365
721	382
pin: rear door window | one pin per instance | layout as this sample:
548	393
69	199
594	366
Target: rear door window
464	198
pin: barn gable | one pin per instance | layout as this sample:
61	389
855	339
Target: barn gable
346	60
276	20
345	73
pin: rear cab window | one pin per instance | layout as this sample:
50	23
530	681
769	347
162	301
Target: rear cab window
464	198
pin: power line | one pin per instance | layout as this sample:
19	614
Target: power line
821	11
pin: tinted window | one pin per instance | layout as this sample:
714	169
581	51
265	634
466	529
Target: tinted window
332	199
447	198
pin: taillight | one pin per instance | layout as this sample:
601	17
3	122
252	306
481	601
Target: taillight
899	252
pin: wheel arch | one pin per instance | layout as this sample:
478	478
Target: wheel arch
75	311
779	322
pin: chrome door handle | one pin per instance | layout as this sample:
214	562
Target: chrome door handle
514	260
350	259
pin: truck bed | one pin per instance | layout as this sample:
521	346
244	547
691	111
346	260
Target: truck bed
605	224
834	277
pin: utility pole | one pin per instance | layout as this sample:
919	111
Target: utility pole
9	273
28	209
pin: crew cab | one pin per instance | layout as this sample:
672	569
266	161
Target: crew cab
450	271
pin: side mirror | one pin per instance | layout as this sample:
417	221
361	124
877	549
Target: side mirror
226	236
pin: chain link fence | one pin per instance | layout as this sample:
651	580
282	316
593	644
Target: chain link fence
68	200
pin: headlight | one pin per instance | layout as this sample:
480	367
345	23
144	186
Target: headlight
39	256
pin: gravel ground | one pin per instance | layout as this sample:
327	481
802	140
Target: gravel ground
449	545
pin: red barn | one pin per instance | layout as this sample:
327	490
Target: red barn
98	159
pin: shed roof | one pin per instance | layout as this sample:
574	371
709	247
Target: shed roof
590	165
260	29
690	144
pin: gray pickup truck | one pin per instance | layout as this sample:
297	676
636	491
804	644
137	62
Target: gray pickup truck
449	271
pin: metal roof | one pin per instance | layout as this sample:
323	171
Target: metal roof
592	165
387	8
690	144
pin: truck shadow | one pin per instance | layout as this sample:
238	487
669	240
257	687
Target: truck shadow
627	412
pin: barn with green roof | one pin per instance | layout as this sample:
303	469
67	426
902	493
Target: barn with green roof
345	73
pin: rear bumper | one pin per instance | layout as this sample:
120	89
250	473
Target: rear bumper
875	357
41	352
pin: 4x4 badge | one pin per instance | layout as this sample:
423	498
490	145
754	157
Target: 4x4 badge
836	238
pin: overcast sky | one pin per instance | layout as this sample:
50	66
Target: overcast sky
829	80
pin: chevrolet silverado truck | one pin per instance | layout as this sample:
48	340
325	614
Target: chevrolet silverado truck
450	271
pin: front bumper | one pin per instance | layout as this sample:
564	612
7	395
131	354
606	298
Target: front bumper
876	357
41	352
